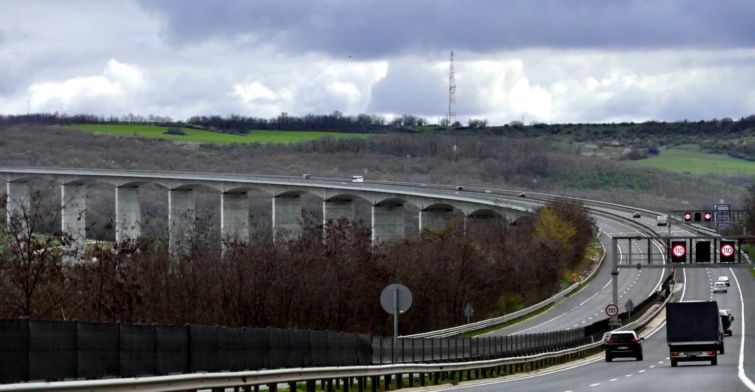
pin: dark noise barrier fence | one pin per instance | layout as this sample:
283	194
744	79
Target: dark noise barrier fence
37	350
43	350
474	349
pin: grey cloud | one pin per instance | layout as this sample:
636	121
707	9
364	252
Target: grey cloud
407	89
378	28
690	103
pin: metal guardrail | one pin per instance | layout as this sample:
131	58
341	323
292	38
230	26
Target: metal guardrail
458	330
273	377
645	319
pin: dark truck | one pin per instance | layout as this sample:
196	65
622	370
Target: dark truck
694	331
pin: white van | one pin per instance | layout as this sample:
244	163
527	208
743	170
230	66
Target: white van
661	220
357	179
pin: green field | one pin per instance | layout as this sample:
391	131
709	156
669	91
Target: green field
684	161
198	136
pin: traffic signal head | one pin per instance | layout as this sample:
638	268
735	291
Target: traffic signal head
707	216
698	216
687	216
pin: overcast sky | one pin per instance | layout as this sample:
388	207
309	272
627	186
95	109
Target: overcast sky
539	60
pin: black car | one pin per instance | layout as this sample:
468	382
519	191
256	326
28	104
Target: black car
623	344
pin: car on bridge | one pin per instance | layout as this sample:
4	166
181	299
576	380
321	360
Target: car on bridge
623	344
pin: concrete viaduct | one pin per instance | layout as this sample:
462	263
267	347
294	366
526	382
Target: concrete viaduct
387	200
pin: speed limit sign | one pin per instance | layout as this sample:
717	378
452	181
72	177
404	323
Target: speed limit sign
679	250
727	250
612	310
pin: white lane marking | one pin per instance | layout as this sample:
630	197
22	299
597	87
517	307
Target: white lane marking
643	370
595	385
613	379
562	314
742	376
547	373
457	388
591	297
628	375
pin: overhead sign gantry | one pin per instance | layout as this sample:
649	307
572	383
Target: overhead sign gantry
678	252
681	252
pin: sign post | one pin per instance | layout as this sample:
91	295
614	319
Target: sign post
468	311
395	299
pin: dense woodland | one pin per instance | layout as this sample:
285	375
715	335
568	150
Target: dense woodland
306	282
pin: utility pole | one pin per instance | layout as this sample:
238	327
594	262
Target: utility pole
452	93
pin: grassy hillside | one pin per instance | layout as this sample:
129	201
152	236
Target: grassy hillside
200	136
590	168
691	162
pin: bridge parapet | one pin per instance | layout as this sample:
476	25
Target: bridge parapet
388	201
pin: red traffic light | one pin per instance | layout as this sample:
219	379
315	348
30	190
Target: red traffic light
707	216
687	216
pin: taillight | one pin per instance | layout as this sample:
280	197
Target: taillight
609	341
711	353
674	354
635	340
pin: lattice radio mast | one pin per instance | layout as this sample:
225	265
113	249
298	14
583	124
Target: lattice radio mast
452	93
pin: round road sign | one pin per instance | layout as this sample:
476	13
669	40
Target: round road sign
612	310
679	250
727	250
396	296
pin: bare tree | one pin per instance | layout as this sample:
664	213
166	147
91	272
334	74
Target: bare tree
33	279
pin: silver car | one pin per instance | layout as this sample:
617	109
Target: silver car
720	287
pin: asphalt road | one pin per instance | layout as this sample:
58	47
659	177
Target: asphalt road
654	373
588	305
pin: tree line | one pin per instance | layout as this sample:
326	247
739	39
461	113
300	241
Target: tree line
237	124
328	278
